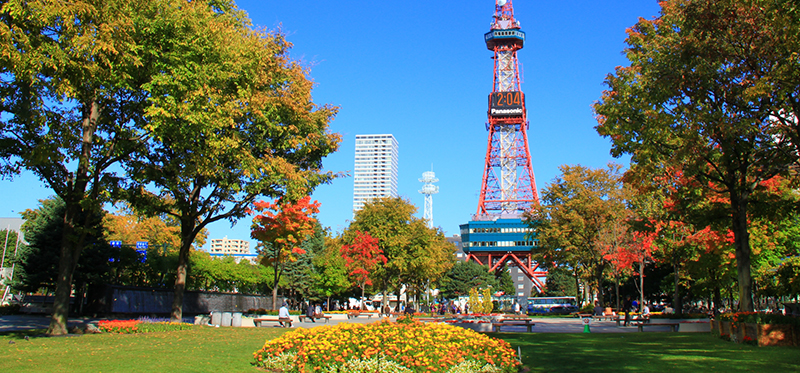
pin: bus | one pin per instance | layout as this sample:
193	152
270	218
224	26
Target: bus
560	305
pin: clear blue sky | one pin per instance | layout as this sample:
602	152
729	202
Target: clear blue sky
421	71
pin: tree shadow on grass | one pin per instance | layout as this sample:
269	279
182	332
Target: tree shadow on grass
23	334
673	352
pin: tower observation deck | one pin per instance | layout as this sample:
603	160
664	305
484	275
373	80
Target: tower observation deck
497	236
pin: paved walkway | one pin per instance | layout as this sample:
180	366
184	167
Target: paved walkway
12	323
543	325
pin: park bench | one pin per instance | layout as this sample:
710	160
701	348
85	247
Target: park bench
605	317
634	319
672	326
508	322
354	314
325	317
429	319
258	322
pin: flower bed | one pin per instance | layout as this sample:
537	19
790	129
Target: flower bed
385	346
139	326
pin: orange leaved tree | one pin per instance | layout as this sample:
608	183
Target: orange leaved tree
361	258
281	230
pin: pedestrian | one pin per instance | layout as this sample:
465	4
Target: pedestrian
626	306
310	312
598	310
283	315
516	308
317	311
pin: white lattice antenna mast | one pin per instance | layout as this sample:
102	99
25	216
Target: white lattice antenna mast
428	189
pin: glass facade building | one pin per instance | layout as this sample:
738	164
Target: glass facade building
375	171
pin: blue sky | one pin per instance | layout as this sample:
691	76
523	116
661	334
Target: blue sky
421	71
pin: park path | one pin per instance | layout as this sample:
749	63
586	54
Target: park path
12	323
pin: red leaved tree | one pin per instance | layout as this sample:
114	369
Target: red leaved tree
281	230
361	259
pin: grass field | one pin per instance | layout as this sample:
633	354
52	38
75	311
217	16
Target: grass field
205	349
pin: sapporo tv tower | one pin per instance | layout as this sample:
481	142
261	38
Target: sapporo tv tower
497	236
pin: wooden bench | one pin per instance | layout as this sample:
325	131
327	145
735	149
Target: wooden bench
641	325
258	322
353	315
506	322
326	317
429	319
633	319
605	317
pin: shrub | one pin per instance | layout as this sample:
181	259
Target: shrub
759	318
389	346
149	327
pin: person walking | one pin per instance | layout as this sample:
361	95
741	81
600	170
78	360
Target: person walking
626	306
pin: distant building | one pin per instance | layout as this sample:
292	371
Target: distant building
226	246
375	171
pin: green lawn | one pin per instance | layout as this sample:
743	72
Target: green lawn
662	352
205	349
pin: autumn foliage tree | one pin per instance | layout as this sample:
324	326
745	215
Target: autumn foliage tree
573	220
361	259
712	87
281	227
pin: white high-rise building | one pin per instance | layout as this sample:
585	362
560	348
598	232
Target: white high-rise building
375	173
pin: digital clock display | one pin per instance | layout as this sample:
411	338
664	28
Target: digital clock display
506	104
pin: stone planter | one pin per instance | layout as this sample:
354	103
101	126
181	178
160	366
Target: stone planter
777	335
725	328
744	331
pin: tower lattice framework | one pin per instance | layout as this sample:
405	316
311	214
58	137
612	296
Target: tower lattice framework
508	185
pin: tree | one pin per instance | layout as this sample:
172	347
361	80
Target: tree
329	276
708	89
73	106
296	275
575	210
415	253
361	258
233	121
37	262
560	283
464	276
284	226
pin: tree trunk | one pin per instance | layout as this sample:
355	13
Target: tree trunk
70	244
676	295
180	283
276	278
741	241
187	237
66	268
641	284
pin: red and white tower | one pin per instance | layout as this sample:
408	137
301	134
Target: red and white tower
508	184
497	236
